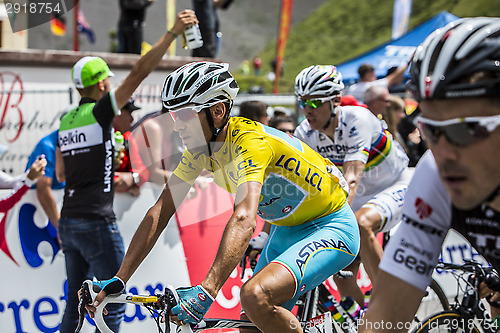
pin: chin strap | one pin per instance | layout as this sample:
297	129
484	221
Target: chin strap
215	131
332	116
493	195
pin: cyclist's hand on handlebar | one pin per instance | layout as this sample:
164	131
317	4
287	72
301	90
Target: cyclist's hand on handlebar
112	286
492	280
194	303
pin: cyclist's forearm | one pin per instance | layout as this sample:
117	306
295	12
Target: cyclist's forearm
233	245
144	239
352	173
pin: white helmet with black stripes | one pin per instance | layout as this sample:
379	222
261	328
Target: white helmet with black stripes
319	80
199	83
461	59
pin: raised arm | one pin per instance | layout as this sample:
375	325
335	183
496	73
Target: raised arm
150	60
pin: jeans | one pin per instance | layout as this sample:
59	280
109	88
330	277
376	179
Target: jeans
91	248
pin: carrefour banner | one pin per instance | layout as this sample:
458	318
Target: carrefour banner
33	288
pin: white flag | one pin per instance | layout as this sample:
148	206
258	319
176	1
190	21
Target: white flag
400	17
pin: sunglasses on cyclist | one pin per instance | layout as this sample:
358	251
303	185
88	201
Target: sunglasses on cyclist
187	113
313	103
458	131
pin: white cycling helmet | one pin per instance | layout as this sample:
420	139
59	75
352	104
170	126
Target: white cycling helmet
319	80
443	64
199	83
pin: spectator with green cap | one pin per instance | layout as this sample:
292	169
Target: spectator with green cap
90	239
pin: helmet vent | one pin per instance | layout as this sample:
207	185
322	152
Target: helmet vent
193	79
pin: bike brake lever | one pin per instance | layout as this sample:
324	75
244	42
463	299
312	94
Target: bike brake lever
172	300
85	299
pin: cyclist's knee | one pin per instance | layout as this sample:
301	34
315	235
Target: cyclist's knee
253	294
366	222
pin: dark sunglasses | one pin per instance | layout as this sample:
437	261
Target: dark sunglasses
313	103
187	113
459	131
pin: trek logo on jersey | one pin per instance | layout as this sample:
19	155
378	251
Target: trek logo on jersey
80	137
424	210
424	227
313	247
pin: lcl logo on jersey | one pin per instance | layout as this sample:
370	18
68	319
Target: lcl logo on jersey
424	210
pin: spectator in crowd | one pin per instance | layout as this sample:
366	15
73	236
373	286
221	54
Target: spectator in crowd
206	11
48	181
397	86
9	182
255	110
131	24
367	78
283	123
395	113
23	184
414	145
377	100
90	238
350	100
257	64
207	15
130	173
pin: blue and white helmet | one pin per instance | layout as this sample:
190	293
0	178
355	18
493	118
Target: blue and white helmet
199	83
443	65
319	80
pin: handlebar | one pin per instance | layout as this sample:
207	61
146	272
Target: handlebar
163	302
469	266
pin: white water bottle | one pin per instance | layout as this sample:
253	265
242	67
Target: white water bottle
192	37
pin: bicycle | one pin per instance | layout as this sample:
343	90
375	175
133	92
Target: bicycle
320	300
159	306
468	314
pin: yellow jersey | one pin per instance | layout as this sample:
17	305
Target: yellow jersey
298	184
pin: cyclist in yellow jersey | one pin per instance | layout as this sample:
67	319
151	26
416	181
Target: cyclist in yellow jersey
314	232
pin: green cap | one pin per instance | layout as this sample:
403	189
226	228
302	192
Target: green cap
88	71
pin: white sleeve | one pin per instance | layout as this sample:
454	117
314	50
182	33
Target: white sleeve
413	251
9	182
301	132
358	138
